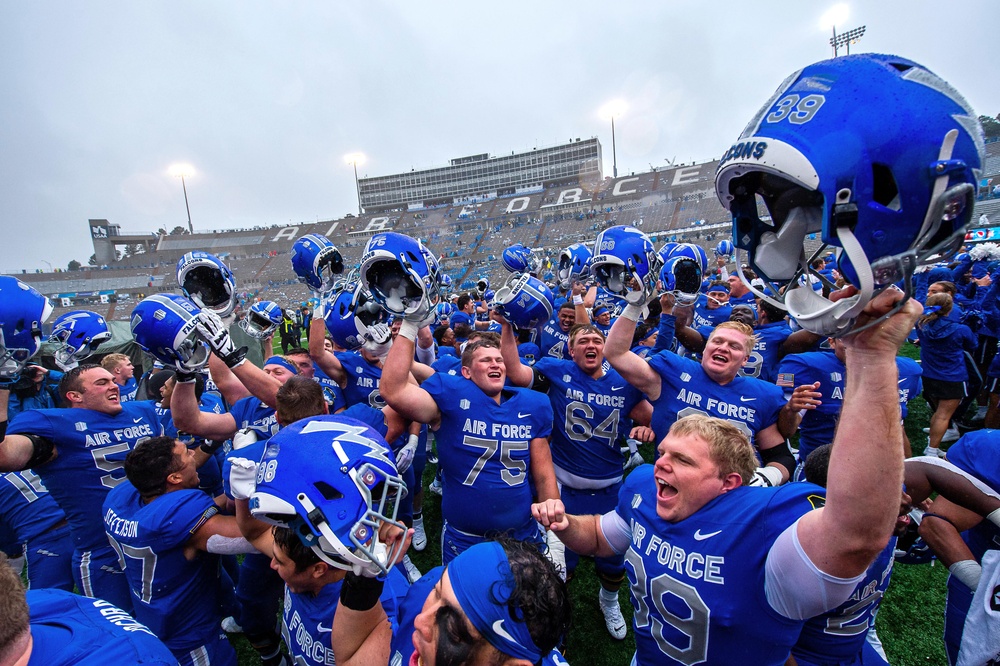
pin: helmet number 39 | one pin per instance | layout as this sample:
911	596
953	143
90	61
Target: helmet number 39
798	111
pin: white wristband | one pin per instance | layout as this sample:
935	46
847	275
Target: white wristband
577	299
408	330
632	312
967	571
994	517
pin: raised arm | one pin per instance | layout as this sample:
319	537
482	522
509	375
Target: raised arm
617	349
866	464
408	399
188	417
257	382
326	361
518	373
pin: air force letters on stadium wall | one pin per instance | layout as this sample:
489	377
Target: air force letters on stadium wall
622	188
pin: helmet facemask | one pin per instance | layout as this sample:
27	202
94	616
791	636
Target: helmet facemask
209	289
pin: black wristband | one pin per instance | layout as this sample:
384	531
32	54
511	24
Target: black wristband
41	450
210	446
3	428
235	357
360	593
185	377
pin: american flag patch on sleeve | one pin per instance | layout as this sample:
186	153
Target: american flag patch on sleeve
786	380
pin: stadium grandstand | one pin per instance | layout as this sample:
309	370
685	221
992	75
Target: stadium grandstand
468	232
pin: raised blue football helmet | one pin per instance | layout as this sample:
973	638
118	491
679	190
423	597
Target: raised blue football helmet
317	262
664	252
681	276
262	319
877	156
400	273
77	335
525	301
332	481
166	326
724	248
348	314
445	310
519	258
207	282
691	251
625	261
574	263
444	284
23	310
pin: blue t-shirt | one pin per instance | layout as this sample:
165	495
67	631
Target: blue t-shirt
749	404
362	380
307	619
71	629
91	450
26	505
484	452
332	393
174	596
698	584
587	437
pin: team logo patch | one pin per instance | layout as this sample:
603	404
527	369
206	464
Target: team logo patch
464	404
81	426
816	501
159	315
359	370
685	377
636	500
567	379
836	377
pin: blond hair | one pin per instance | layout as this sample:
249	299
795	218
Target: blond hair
728	446
112	361
740	327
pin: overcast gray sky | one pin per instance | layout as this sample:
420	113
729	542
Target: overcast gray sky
264	99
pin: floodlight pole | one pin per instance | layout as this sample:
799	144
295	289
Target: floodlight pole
614	152
186	206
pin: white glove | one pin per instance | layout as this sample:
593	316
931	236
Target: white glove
405	456
421	319
243	438
634	461
242	478
766	477
378	339
212	329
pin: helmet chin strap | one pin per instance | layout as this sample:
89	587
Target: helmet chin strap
822	316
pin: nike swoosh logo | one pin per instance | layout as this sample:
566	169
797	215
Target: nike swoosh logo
138	420
320	628
499	630
743	399
617	388
698	536
901	380
523	416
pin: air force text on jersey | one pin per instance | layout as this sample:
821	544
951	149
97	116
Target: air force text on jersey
119	435
690	564
715	407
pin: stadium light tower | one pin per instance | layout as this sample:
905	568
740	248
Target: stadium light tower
835	16
355	159
180	171
613	108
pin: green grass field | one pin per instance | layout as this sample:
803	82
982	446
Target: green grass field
910	622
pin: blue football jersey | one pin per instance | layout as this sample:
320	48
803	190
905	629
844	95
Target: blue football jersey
554	342
307	619
818	425
451	365
174	596
253	413
698	584
91	449
839	636
910	383
410	607
749	404
484	452
705	317
128	392
71	629
362	380
587	436
26	505
763	361
332	393
459	318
